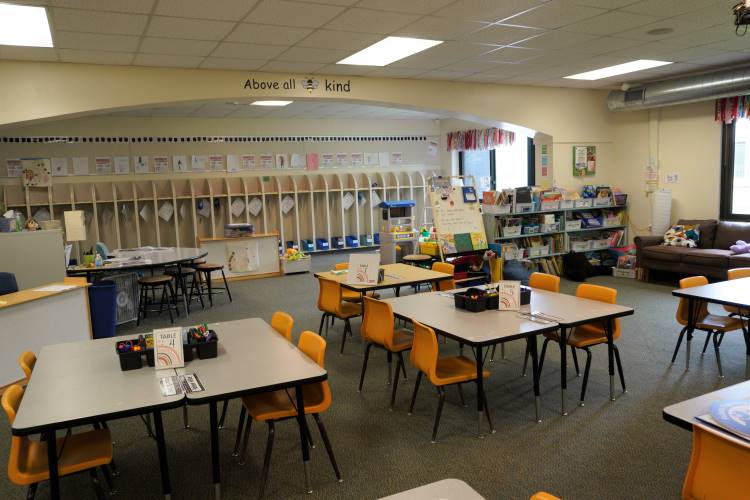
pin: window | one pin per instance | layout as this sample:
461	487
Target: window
735	181
500	168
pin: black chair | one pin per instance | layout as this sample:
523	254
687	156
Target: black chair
8	283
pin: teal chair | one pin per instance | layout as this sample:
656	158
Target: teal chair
102	249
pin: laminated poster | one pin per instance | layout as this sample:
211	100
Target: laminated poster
347	201
242	257
59	167
266	161
166	211
180	163
14	167
397	158
141	164
36	172
168	348
358	159
216	162
81	166
282	160
298	160
384	159
122	165
342	159
372	159
255	206
326	160
432	147
103	165
237	207
199	163
287	203
161	164
233	163
247	162
313	161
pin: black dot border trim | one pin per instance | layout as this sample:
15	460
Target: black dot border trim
210	139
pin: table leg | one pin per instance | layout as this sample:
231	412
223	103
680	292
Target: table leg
398	291
692	320
609	330
216	471
531	342
480	392
563	369
181	278
303	433
746	336
54	477
162	450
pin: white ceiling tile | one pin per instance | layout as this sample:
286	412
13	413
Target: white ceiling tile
250	112
174	46
556	40
737	43
611	23
511	54
344	3
95	57
471	65
28	53
165	60
329	39
704	36
523	80
442	75
345	69
605	4
98	22
714	15
604	45
668	8
227	63
503	34
555	14
482	78
98	41
307	54
134	6
692	54
440	28
247	50
487	10
291	67
662	72
189	29
288	13
678	28
654	50
229	10
395	72
726	58
410	6
174	111
371	21
508	70
214	110
268	35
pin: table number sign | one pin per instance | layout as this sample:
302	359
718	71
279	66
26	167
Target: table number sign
509	295
363	269
168	348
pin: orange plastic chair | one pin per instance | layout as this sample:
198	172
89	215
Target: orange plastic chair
275	406
735	274
444	267
378	331
27	360
713	324
590	334
330	303
543	495
441	372
27	464
351	295
283	323
718	465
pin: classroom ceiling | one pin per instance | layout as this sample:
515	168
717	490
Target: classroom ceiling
528	42
297	109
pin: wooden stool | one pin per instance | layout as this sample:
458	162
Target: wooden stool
151	283
180	275
417	260
207	269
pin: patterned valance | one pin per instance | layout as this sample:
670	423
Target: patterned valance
489	138
730	108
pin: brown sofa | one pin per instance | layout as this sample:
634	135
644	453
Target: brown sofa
711	258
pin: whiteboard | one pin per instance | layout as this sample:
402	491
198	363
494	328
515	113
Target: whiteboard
458	224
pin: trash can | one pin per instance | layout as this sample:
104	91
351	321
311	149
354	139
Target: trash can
103	309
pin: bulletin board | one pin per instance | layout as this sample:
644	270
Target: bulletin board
458	222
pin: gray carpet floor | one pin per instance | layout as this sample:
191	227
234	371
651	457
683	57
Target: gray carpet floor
620	449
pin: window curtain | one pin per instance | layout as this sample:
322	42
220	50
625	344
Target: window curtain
479	139
729	109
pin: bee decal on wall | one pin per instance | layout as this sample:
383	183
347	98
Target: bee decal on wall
309	84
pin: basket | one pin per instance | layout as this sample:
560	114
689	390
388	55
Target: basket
550	205
585	203
511	231
550	228
573	225
623	273
530	229
524	207
579	246
496	209
567	203
621	199
602	202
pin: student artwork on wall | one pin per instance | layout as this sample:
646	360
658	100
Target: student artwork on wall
282	160
140	164
103	165
384	159
166	211
298	160
199	163
81	166
458	224
180	163
242	257
161	164
347	201
266	161
287	203
36	172
255	206
432	147
326	160
312	161
247	162
59	167
342	159
584	160
122	165
397	158
372	159
13	166
233	163
216	162
358	159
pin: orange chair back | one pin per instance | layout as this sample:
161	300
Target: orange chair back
317	395
682	308
444	267
740	272
545	281
329	298
27	361
340	266
377	323
718	466
424	350
10	401
602	294
282	323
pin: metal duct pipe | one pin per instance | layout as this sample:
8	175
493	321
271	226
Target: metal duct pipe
707	86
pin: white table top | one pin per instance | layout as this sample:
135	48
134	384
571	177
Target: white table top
252	358
395	275
80	382
447	489
731	293
569	310
144	258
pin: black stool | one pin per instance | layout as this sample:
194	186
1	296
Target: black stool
181	275
152	283
207	269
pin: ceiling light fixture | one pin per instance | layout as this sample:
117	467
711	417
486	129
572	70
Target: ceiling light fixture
271	103
618	69
24	25
388	50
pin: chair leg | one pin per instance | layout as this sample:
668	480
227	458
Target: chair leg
541	356
395	381
97	485
619	366
679	341
585	374
389	357
108	479
575	361
461	395
492	354
267	459
708	339
525	361
31	491
329	448
223	413
246	438
403	366
238	438
322	320
347	328
210	289
226	285
718	354
414	394
441	400
364	366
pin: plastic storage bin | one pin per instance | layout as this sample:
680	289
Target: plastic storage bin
307	246
337	242
352	241
103	309
322	244
366	240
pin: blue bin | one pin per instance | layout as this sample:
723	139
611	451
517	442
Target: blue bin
377	238
337	242
103	308
322	244
307	246
292	244
352	241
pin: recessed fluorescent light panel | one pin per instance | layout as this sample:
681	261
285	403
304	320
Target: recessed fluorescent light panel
389	50
619	69
271	103
24	25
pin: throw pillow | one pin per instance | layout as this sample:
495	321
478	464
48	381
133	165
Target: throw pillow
686	235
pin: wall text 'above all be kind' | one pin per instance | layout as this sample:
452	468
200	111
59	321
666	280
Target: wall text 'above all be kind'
309	84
